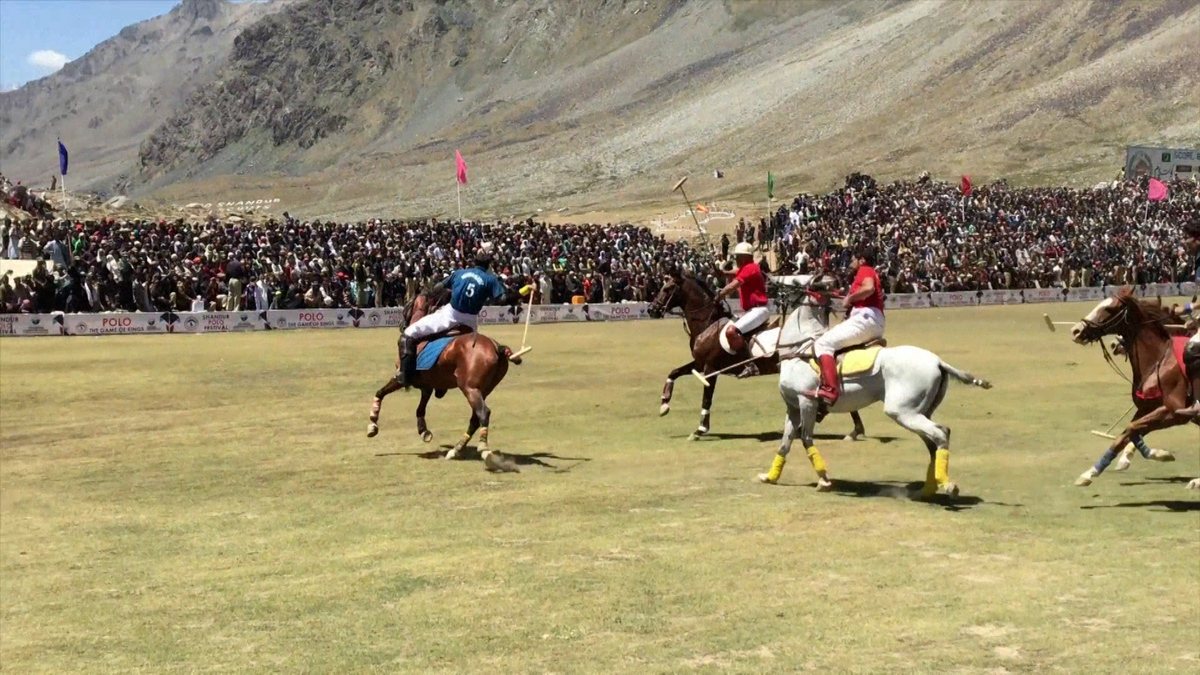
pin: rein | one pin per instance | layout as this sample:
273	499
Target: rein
1094	331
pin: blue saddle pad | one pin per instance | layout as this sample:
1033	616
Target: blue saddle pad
429	355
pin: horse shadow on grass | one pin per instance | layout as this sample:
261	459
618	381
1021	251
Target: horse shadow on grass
768	436
1163	506
1158	480
908	491
471	454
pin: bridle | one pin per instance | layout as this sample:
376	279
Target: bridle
1094	331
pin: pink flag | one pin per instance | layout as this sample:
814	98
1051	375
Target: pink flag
462	168
1158	190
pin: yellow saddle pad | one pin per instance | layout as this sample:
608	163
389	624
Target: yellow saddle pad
853	362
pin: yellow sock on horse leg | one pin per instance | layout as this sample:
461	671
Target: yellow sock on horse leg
942	466
776	468
818	463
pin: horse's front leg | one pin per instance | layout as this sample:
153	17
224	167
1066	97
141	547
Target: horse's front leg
669	387
373	425
705	408
1160	418
422	428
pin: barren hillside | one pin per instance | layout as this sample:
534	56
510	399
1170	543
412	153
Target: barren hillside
105	103
353	107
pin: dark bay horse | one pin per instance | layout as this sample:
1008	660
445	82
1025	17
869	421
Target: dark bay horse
704	315
1159	387
472	363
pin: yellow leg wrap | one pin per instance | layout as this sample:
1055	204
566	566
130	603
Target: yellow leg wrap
942	466
818	463
930	486
776	468
483	438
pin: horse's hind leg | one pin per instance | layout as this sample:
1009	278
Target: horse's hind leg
669	387
475	399
937	441
423	429
860	431
373	425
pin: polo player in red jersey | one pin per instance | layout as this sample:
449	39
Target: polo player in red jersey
864	323
751	287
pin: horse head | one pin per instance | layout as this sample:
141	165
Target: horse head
669	297
1123	315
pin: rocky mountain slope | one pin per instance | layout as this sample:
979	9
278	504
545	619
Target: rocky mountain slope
104	104
352	107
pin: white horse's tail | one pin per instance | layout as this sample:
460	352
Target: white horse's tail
963	376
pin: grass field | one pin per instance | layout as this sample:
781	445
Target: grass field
196	503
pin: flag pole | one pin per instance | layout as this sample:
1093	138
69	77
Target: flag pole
458	189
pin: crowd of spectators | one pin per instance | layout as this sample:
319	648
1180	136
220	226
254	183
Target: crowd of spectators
928	236
288	264
931	236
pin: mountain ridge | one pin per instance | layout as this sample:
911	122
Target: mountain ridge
355	107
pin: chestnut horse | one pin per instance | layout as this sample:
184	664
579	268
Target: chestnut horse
1159	387
472	363
703	316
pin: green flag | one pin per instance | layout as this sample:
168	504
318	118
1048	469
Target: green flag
770	185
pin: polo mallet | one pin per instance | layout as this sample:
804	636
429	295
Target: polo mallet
528	315
1108	433
1051	324
703	233
704	378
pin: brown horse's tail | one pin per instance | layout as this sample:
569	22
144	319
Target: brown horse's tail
506	354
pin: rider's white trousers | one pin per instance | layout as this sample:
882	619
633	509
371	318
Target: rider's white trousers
441	320
865	324
752	319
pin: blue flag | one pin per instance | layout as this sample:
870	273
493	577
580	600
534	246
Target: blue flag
62	158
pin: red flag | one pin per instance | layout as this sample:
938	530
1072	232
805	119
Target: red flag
965	186
461	166
1157	191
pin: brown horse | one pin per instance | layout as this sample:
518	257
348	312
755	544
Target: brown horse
472	363
704	316
1159	387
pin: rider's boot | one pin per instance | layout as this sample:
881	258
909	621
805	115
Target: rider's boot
1191	363
408	363
828	393
736	340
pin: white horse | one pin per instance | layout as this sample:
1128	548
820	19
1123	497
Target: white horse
910	381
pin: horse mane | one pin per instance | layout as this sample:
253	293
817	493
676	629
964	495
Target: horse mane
691	278
1151	311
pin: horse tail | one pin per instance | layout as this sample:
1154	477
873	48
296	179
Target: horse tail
506	354
963	376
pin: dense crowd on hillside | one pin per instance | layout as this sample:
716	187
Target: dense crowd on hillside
928	237
289	264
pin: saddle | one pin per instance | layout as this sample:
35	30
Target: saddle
854	360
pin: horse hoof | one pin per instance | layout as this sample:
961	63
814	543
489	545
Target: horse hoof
764	478
427	436
1194	484
453	454
853	438
949	490
1161	455
1085	478
1122	464
496	461
664	409
824	485
372	430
